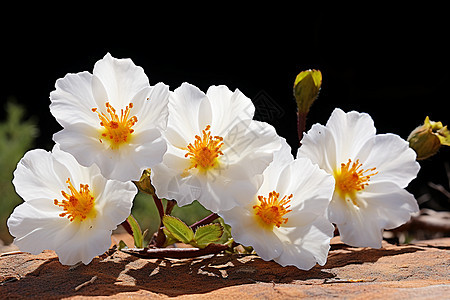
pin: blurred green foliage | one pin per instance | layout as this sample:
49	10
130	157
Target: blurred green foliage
16	137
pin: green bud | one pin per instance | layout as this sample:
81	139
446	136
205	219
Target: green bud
145	184
306	89
428	138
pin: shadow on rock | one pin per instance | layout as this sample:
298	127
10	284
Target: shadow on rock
348	255
42	275
202	275
39	276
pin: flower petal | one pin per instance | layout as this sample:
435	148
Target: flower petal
42	223
394	205
186	120
114	203
319	145
383	205
361	229
35	177
394	160
246	231
73	100
84	246
35	221
312	191
281	159
148	148
80	140
351	130
223	194
305	246
170	182
121	78
236	104
151	104
249	143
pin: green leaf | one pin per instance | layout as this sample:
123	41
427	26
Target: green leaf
226	236
178	229
207	234
170	239
137	233
122	245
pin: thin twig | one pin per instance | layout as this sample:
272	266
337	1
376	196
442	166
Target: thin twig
439	188
86	283
11	253
176	252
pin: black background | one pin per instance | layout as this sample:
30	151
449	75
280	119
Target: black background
390	63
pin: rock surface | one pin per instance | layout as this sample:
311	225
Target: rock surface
419	271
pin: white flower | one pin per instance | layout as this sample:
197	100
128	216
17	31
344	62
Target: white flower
286	219
112	117
371	171
67	208
215	149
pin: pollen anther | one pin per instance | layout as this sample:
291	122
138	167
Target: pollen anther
205	151
271	210
351	178
79	205
117	130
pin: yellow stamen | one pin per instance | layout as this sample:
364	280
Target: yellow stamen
79	205
351	178
205	152
271	210
116	130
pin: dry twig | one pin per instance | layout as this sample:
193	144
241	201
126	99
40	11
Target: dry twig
77	288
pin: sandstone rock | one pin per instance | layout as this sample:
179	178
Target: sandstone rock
394	272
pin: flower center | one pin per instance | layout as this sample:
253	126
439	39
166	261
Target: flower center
79	205
352	178
205	152
271	210
116	130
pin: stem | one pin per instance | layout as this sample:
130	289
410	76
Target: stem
205	221
127	226
160	237
301	125
159	206
170	205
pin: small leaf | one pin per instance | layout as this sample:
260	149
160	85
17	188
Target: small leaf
137	233
226	236
208	234
178	229
122	245
170	239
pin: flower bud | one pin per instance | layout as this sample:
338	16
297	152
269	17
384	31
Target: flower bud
306	89
428	138
145	184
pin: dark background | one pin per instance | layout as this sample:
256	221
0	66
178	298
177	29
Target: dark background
392	64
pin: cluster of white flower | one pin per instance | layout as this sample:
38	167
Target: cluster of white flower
205	147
